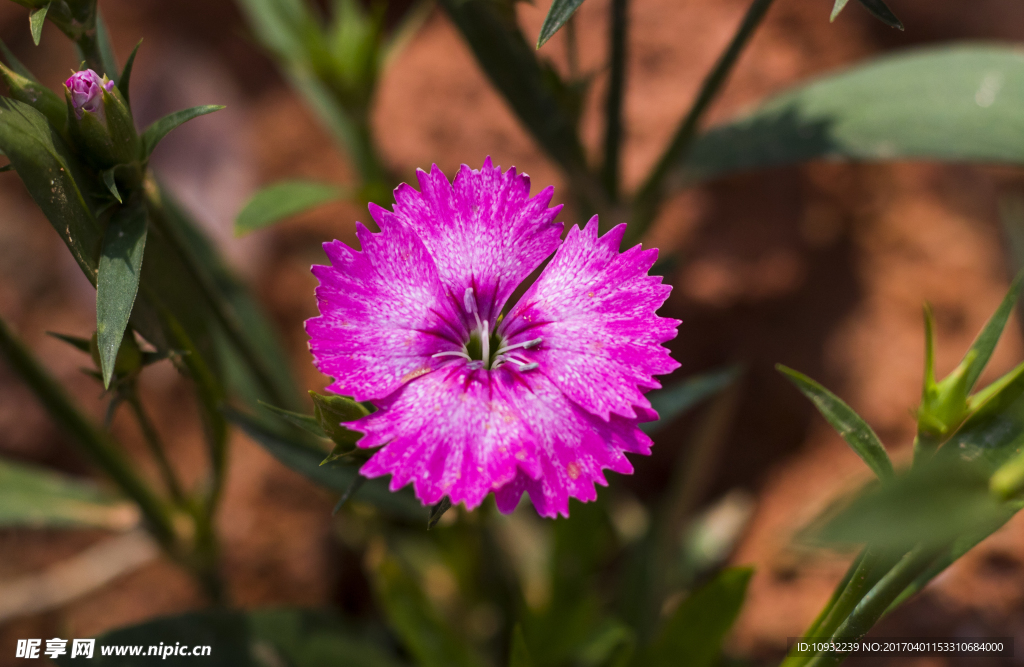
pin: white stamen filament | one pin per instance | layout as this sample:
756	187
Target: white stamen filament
526	346
452	353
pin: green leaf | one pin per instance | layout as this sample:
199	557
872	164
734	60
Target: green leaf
951	103
836	8
881	12
36	18
124	81
510	63
159	129
437	511
994	432
693	635
16	64
561	11
519	654
845	421
106	48
37	498
308	423
261	638
932	505
282	200
54	178
422	630
304	457
671	402
124	244
983	346
81	344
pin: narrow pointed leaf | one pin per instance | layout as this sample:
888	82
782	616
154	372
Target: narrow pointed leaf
836	8
671	402
693	634
81	344
357	483
124	81
308	423
117	283
38	498
106	48
985	343
15	64
36	18
561	11
881	12
159	129
6	167
437	511
283	200
954	103
845	421
304	456
108	180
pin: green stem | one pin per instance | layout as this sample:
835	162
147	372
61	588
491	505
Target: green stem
864	573
877	602
613	102
221	309
97	445
156	446
649	197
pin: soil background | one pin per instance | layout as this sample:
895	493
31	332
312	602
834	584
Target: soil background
823	268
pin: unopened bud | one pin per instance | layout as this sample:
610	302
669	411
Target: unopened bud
86	91
101	124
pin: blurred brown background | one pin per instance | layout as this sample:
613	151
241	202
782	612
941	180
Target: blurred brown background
823	268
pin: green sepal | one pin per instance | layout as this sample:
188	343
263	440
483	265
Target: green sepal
330	411
39	97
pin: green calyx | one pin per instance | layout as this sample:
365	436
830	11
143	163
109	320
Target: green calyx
107	138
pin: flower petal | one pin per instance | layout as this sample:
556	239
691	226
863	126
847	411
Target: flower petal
465	432
384	314
595	311
483	231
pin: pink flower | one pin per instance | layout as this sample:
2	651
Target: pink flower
541	400
86	89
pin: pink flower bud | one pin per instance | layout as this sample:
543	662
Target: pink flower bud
86	89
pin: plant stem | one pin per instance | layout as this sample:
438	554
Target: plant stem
613	103
864	573
156	446
96	444
649	197
218	305
877	602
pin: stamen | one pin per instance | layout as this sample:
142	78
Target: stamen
528	367
469	300
526	346
452	353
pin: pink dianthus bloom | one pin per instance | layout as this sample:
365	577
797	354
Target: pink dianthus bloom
540	400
